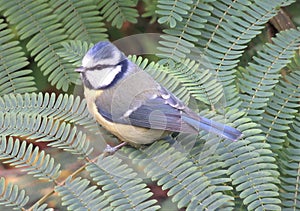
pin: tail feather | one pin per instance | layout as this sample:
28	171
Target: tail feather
214	127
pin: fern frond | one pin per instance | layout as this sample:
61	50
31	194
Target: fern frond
74	51
11	196
261	76
122	189
63	107
251	165
232	25
34	160
13	79
281	110
78	195
34	21
290	168
42	207
200	83
179	42
232	99
47	118
203	155
81	19
172	170
159	73
248	162
150	8
118	11
171	12
61	135
72	141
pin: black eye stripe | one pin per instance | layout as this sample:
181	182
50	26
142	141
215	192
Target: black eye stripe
123	64
99	67
103	66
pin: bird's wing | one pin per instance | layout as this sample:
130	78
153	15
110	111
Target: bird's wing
159	109
146	104
153	113
139	101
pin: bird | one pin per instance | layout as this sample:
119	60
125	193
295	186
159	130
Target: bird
129	103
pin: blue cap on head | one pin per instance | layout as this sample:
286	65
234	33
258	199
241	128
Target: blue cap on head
104	53
98	46
101	50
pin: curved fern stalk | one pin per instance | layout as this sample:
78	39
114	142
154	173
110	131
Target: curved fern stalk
179	42
34	21
251	165
232	25
289	168
77	194
118	11
122	189
32	160
81	19
13	79
262	75
61	135
172	170
11	196
63	107
281	110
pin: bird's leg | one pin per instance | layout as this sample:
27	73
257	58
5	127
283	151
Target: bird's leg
110	150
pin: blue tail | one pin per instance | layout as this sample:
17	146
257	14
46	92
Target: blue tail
214	127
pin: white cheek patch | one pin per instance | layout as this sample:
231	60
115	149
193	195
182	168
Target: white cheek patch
87	60
103	77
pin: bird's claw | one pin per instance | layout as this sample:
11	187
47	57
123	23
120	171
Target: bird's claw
111	150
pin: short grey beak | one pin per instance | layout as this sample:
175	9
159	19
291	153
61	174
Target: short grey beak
79	69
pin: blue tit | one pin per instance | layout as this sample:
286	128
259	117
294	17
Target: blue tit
130	104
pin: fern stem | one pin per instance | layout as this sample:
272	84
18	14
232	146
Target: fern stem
74	174
41	201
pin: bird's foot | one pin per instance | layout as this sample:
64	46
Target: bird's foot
111	150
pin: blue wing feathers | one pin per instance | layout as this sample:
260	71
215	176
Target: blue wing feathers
157	114
214	127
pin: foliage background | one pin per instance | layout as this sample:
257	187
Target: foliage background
51	149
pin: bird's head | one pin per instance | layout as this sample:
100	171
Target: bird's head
102	65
